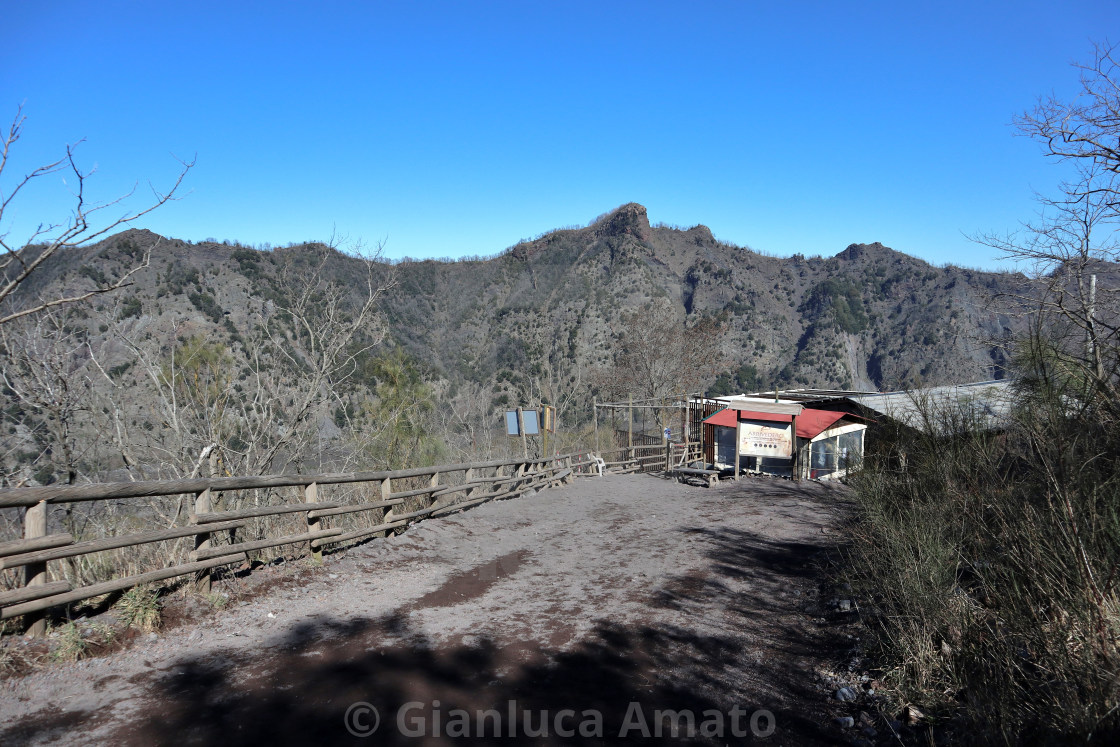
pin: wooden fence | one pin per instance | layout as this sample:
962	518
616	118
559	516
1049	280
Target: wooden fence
215	531
652	456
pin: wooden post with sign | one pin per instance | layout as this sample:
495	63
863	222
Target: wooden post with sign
521	430
542	424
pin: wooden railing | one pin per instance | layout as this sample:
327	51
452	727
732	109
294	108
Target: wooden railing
477	482
651	457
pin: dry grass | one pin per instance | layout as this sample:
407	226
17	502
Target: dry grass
990	562
71	645
140	608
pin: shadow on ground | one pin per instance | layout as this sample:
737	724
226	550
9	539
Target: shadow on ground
301	689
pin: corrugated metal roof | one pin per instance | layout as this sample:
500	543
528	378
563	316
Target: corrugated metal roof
808	395
981	405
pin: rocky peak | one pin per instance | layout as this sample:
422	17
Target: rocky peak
629	220
701	234
869	252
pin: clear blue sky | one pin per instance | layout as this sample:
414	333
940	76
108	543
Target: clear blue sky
449	129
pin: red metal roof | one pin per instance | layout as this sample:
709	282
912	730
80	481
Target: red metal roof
810	423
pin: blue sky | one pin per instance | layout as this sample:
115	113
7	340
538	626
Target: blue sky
450	129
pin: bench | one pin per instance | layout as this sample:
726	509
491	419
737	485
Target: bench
684	474
560	477
622	467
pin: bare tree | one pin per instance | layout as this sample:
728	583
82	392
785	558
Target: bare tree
1087	127
1072	282
46	378
658	355
20	259
264	404
470	422
557	381
1071	249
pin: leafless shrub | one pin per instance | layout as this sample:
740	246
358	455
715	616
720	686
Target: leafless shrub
992	559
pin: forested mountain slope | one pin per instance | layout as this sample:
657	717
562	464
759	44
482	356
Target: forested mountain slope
868	317
230	334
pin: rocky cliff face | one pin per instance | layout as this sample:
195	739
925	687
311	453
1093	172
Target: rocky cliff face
869	317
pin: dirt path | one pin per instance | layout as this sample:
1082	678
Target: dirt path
617	596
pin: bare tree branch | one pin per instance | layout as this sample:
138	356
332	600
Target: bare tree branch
20	260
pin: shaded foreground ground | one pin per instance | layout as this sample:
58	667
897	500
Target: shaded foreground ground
617	596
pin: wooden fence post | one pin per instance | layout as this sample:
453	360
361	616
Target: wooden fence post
386	494
595	421
203	504
467	477
630	422
35	574
433	484
311	495
203	579
684	419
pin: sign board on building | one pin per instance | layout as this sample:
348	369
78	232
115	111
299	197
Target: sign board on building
760	438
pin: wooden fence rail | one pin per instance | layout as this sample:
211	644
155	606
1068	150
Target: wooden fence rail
643	458
37	549
150	488
207	526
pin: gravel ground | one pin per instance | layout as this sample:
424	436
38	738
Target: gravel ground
617	596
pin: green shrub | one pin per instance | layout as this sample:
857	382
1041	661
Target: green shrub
130	307
208	305
838	301
94	274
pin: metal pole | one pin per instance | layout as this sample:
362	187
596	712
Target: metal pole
1090	329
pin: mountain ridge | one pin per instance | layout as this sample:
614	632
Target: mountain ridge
552	308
